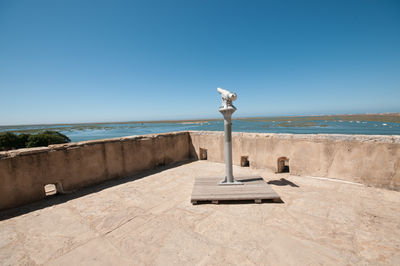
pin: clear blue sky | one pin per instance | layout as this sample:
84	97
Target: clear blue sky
81	61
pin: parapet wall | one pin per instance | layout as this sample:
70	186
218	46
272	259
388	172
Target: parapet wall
371	160
25	172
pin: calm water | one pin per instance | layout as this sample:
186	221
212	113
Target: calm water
100	131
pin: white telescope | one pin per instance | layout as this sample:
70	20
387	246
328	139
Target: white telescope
227	98
227	110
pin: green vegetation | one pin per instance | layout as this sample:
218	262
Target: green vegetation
10	141
22	130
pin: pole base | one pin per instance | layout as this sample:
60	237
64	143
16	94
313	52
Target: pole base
226	183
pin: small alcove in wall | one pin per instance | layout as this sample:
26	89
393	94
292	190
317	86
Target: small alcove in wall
203	154
244	161
283	165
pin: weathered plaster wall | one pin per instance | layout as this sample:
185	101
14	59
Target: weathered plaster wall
25	172
371	160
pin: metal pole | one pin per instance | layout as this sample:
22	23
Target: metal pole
228	144
227	109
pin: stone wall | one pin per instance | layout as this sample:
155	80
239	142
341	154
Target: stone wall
371	160
25	172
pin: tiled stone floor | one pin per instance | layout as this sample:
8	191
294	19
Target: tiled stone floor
150	221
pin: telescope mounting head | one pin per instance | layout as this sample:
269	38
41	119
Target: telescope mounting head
227	99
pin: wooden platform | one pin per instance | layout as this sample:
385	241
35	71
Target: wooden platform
206	189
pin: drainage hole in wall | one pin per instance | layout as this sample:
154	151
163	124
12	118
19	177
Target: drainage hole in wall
203	154
244	161
50	189
283	165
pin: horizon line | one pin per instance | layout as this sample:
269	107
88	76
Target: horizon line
193	120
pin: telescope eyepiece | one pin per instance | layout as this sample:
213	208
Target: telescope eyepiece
227	94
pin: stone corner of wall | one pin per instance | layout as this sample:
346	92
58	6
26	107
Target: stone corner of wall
204	132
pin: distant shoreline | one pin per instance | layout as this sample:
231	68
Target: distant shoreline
384	117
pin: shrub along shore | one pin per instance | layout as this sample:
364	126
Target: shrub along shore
11	141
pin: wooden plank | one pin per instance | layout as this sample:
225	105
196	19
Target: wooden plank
253	188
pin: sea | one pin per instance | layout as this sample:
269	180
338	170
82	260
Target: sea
83	132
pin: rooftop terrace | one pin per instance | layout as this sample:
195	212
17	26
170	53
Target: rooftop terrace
148	219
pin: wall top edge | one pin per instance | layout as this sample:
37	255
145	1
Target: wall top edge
65	146
333	137
311	137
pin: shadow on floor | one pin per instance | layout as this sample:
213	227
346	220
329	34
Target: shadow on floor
251	179
282	182
62	198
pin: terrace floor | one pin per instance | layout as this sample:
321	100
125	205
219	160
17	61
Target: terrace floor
149	220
